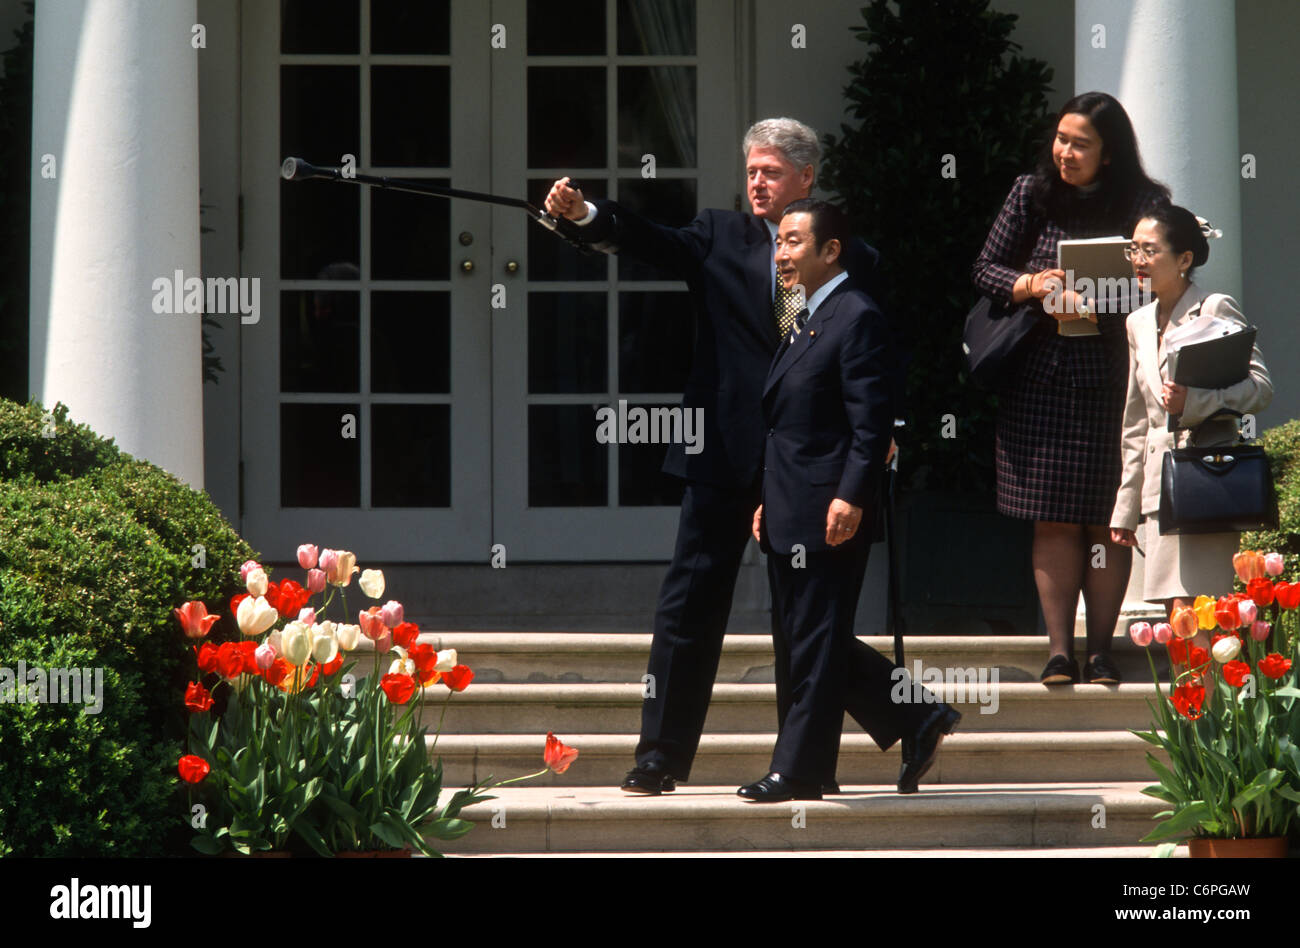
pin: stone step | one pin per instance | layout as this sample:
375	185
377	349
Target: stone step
748	709
1076	814
966	757
559	657
991	852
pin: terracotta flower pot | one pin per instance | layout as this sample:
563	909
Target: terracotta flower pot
376	854
1255	847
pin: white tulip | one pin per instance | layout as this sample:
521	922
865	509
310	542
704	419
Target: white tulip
255	615
256	582
297	643
402	666
446	660
372	582
1226	649
348	636
324	646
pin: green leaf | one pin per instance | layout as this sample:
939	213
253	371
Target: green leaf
390	834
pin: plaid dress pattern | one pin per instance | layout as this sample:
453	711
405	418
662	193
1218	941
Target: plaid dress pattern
1059	424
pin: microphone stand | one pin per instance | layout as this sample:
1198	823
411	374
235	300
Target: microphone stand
295	169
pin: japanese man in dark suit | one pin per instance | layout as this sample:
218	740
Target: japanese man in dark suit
828	410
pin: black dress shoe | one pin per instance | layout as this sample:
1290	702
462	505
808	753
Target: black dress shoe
1060	670
649	780
774	789
925	746
1101	670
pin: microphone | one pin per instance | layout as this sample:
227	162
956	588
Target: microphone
295	169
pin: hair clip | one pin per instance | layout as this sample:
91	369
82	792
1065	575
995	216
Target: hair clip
1209	232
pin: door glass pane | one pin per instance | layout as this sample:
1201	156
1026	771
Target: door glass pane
641	480
566	464
399	26
410	236
410	342
566	343
320	113
656	27
320	230
319	26
410	116
566	27
411	451
656	115
319	341
308	434
566	116
656	337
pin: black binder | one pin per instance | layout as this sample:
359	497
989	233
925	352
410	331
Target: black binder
1216	363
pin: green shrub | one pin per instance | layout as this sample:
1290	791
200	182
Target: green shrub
96	548
1283	446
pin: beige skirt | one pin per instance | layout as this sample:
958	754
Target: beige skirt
1186	565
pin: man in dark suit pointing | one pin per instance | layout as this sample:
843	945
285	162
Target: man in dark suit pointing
741	315
828	410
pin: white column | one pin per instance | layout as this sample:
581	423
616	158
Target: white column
115	103
1173	65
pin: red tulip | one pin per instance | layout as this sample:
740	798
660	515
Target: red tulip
1187	697
292	599
1227	614
197	698
1274	665
330	668
234	603
1260	591
230	660
278	672
1235	672
248	652
558	756
1178	651
193	769
399	688
194	619
206	656
1288	594
1197	657
425	657
404	633
458	678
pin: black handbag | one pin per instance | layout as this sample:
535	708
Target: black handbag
994	339
1224	488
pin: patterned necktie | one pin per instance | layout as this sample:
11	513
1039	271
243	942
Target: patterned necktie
785	306
800	320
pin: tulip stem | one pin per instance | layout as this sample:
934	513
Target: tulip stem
524	777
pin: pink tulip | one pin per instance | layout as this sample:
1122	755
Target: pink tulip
372	623
393	613
328	559
307	616
1274	564
194	619
384	643
1247	610
265	657
248	567
1140	633
307	556
315	581
1162	632
1259	631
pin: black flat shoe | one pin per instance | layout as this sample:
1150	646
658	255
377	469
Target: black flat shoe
648	780
1101	670
1060	670
775	789
924	746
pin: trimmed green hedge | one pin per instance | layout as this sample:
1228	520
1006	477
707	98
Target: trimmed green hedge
1283	446
96	548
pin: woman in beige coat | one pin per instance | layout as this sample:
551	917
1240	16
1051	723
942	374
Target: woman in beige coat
1167	245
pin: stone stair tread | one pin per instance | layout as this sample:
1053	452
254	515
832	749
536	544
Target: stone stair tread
579	692
622	743
1021	852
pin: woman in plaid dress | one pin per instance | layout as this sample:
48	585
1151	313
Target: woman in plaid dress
1059	421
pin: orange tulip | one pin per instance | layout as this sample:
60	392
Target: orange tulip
1184	622
1249	565
194	619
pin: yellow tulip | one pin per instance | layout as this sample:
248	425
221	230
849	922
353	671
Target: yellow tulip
1204	609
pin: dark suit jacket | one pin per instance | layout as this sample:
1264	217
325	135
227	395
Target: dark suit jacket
828	409
725	257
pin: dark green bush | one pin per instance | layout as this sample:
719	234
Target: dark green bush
96	548
1283	446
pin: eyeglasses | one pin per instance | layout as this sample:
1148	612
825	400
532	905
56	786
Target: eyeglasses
1133	251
